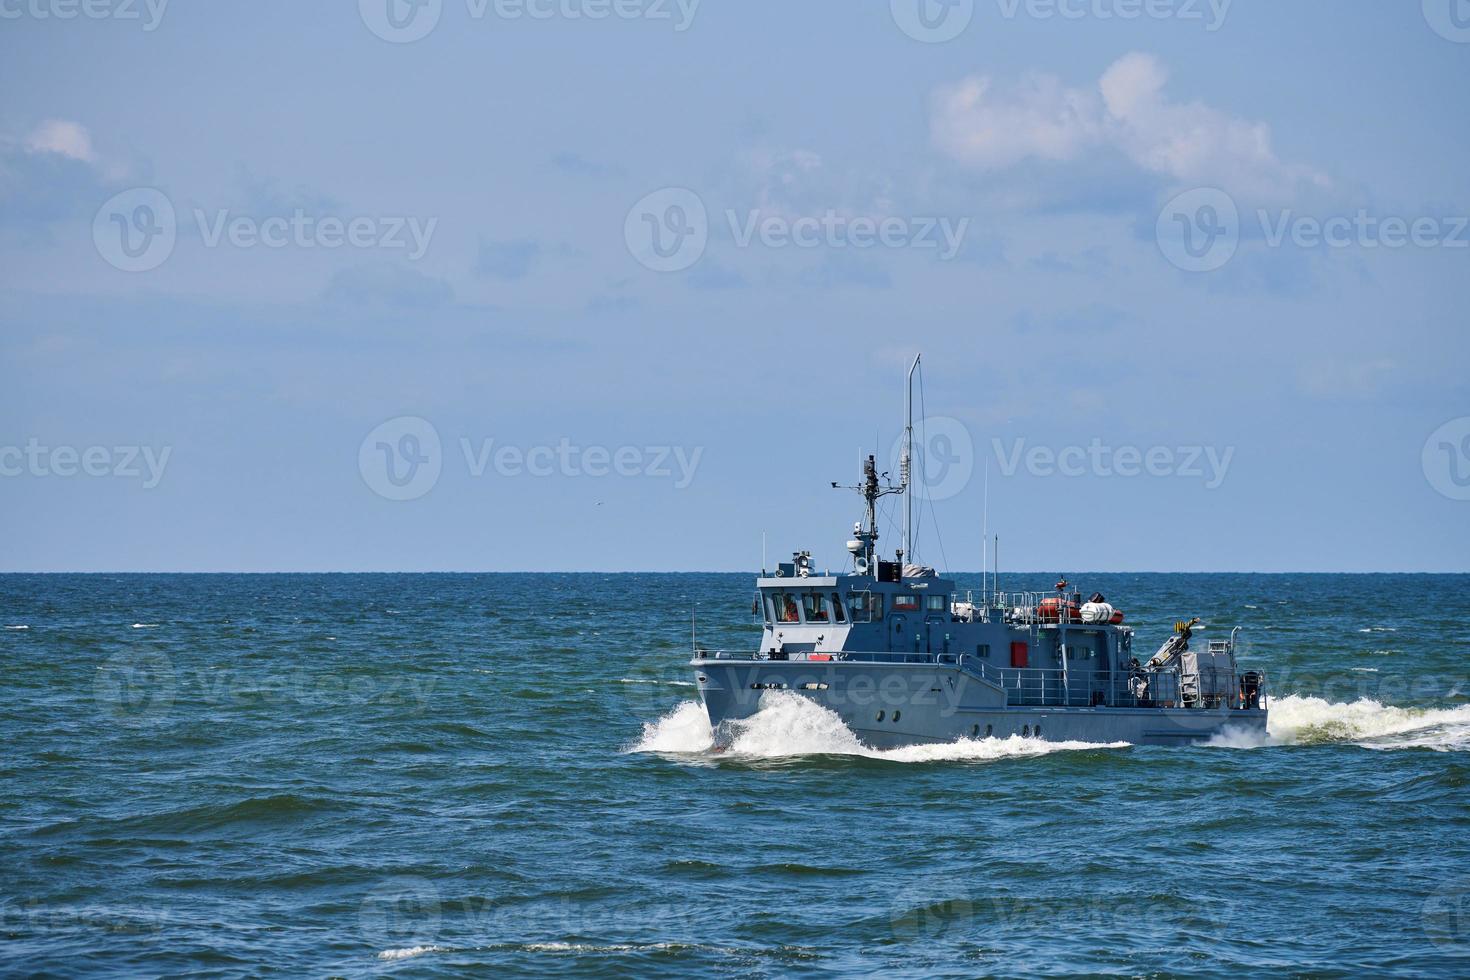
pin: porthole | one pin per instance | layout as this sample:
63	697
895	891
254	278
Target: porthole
974	731
989	730
1038	731
1025	731
881	714
897	715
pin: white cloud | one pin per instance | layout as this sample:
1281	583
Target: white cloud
1128	111
65	138
1041	118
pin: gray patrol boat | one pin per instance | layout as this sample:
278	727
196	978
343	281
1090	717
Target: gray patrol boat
903	657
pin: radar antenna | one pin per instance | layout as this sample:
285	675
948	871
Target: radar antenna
864	546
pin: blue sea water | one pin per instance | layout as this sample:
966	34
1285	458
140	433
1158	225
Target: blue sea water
227	775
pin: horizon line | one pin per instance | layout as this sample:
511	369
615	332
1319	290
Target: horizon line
753	573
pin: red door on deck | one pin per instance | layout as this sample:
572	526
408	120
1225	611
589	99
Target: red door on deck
1018	654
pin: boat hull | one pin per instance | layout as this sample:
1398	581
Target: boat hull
894	705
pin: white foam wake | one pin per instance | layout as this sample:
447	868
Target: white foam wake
408	952
1296	719
790	725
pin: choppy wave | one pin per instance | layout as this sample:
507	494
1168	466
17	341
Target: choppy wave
790	725
408	952
596	948
1296	720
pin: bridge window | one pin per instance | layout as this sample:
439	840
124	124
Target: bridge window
905	603
865	607
837	612
783	608
816	609
936	603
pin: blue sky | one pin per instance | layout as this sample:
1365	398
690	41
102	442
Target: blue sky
458	229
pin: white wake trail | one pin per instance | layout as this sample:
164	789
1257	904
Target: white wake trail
790	725
1306	720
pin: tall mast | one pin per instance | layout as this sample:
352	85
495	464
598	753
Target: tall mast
906	463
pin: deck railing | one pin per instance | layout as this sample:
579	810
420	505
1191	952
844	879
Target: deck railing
1168	687
1164	688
